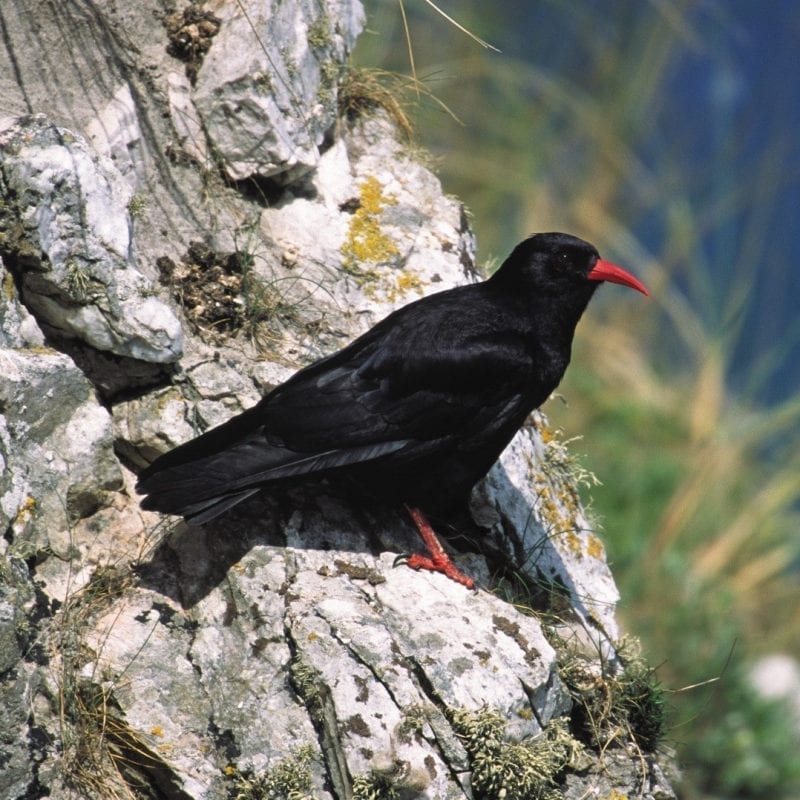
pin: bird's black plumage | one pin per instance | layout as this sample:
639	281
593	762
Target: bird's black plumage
418	408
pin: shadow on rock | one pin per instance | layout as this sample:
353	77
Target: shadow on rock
191	561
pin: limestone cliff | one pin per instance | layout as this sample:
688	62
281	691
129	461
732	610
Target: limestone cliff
187	215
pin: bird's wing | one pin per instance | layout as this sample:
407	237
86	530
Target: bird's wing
408	379
410	382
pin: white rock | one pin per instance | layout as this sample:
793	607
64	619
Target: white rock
73	207
266	92
115	132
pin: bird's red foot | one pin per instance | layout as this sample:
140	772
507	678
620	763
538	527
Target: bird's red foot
438	561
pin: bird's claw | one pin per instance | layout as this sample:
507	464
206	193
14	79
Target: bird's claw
443	565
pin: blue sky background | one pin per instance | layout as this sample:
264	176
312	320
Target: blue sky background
717	127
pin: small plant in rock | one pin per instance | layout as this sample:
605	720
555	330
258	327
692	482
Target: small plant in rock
619	705
289	779
502	770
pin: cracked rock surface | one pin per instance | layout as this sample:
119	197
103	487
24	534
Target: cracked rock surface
66	236
185	220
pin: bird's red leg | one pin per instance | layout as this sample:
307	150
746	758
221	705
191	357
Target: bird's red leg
438	561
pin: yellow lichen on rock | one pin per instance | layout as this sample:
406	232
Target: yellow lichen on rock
368	246
366	242
26	509
595	547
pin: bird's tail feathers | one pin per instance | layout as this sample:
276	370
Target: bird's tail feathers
206	510
202	489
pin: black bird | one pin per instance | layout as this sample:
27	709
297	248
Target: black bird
414	411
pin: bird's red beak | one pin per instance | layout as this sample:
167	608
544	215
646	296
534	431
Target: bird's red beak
606	271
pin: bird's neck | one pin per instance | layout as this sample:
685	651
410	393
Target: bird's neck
548	319
561	317
547	324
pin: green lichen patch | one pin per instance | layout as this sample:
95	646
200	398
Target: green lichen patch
307	682
328	75
559	458
79	279
558	479
527	770
319	33
137	205
289	779
415	718
395	780
374	786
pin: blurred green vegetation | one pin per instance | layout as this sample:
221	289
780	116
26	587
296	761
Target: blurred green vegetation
574	127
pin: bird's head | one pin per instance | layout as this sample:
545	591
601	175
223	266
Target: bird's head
558	264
